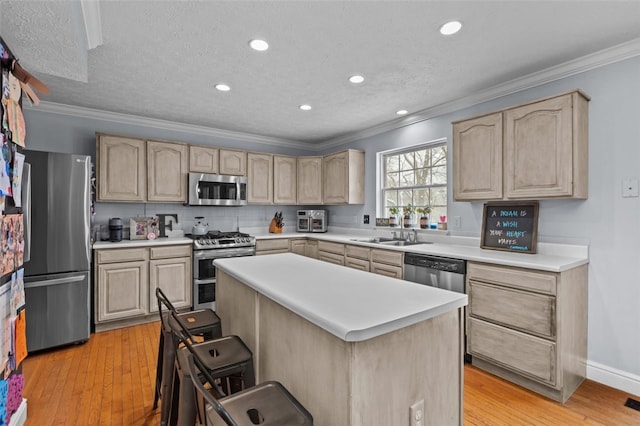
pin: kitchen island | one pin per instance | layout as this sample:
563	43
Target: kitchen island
355	348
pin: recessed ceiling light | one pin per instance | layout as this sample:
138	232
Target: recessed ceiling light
402	112
259	45
451	27
305	107
223	87
356	79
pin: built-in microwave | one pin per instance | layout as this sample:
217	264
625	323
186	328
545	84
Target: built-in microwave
312	221
217	190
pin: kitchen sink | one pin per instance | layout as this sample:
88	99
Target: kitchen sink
388	241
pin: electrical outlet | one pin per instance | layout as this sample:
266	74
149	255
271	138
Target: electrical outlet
417	413
457	222
366	219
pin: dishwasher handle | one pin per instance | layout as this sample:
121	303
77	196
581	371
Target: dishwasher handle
456	266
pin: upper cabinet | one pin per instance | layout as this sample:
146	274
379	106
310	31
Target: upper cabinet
343	177
259	178
309	180
233	162
203	159
132	169
534	151
166	171
121	168
477	158
285	174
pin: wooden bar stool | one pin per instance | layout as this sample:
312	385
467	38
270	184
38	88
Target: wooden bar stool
227	359
203	322
267	404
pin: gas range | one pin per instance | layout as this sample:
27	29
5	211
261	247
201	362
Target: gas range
221	240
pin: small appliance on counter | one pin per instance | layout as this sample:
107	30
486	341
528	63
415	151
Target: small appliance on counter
115	229
312	221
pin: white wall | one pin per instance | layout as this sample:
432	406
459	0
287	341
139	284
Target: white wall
607	222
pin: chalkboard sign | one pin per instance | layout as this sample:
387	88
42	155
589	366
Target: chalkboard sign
510	226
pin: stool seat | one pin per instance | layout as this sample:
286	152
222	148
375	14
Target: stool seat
267	404
226	356
201	321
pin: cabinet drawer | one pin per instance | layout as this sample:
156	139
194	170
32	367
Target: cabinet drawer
386	270
526	279
526	311
338	259
357	252
164	252
121	255
387	256
327	246
351	262
528	355
276	244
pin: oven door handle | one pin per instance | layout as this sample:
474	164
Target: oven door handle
207	281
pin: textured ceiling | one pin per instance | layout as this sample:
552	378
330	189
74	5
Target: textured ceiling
162	59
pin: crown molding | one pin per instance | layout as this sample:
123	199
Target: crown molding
92	23
115	117
598	59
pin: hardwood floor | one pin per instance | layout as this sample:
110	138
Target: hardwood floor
110	380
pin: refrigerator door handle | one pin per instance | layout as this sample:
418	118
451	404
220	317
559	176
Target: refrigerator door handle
54	281
26	209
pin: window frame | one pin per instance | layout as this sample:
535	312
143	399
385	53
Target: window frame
381	172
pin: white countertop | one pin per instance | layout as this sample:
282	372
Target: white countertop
350	304
550	257
100	245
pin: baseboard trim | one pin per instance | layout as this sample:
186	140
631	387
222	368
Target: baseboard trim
615	378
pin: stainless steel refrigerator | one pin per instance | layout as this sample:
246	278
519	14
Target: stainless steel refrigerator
56	206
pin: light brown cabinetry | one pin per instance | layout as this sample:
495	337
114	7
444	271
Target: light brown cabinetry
232	162
343	177
259	178
137	170
285	174
298	246
167	167
543	146
126	279
309	180
203	159
387	262
311	250
529	326
331	252
121	168
272	246
357	257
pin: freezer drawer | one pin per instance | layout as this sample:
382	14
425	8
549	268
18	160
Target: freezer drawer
57	310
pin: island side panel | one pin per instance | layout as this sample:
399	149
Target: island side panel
312	363
236	307
395	370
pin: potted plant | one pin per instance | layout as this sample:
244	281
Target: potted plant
408	211
393	211
424	216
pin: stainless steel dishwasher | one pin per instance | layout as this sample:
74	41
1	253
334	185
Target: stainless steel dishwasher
435	271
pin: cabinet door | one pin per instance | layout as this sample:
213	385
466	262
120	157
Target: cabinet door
309	180
167	171
325	256
260	178
272	246
336	178
203	159
233	162
285	174
311	249
173	276
386	270
298	247
352	262
122	169
122	290
538	149
477	158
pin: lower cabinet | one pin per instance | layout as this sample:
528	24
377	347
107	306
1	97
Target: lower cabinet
126	280
387	262
357	257
273	246
331	252
298	246
529	326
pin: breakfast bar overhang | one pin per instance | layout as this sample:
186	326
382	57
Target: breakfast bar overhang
355	348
